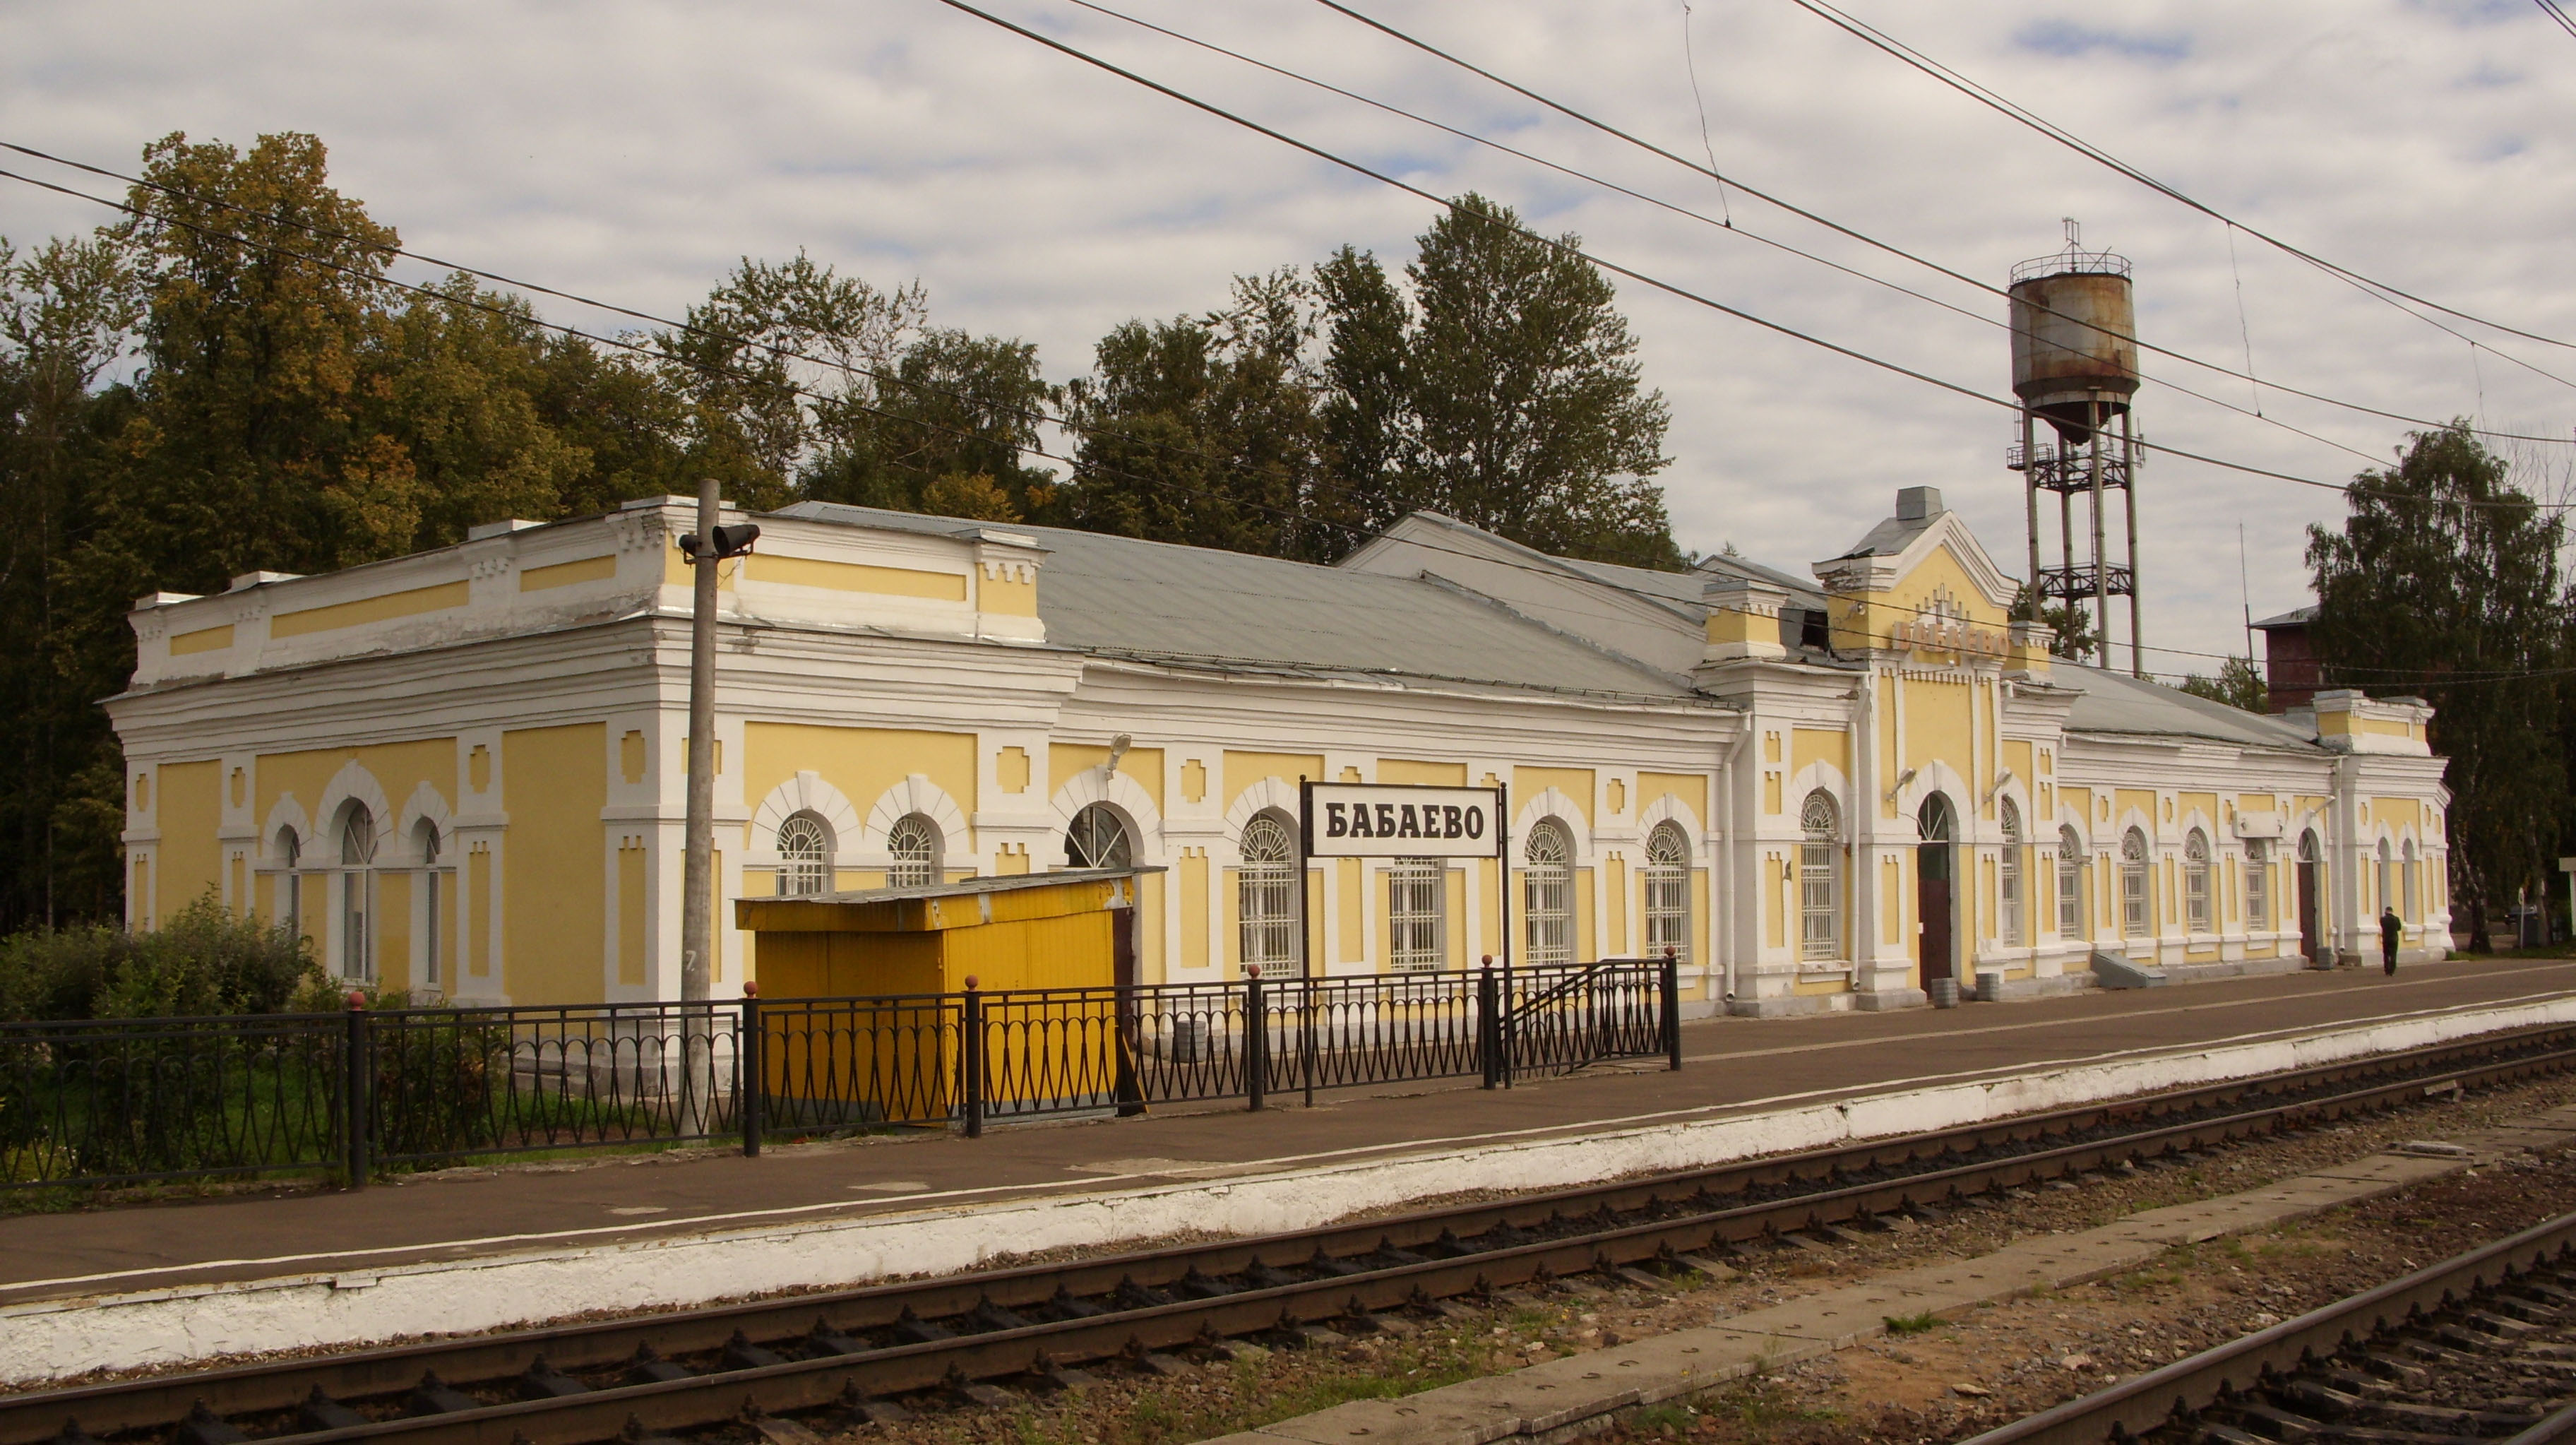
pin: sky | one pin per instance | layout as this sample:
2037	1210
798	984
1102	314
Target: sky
634	151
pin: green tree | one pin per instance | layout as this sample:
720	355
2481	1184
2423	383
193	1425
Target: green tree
2070	626
2443	583
2239	684
1203	430
67	311
1517	401
955	406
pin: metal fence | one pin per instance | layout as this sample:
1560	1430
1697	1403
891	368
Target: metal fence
129	1101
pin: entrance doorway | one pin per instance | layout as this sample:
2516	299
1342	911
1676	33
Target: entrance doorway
2309	943
1934	869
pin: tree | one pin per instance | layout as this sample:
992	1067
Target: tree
1203	430
2070	626
2238	684
1516	402
2444	584
955	406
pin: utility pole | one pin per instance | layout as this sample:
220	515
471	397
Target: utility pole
705	548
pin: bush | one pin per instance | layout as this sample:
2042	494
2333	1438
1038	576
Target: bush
203	961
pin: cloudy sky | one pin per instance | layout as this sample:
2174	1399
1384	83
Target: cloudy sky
635	150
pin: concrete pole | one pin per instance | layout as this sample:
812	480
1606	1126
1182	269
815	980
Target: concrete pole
2129	475
2030	500
697	890
2101	552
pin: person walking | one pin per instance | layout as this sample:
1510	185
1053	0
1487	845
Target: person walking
2390	926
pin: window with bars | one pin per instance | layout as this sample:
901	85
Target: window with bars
1547	895
2008	876
357	892
1266	894
2134	912
913	846
1820	878
2196	910
1666	879
804	856
2414	904
1417	906
2258	885
431	944
290	884
2070	884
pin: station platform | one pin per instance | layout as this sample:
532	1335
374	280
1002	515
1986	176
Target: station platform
475	1248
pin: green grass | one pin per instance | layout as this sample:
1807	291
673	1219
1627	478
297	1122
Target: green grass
1913	1324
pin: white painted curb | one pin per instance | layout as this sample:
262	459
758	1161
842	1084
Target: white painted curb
57	1338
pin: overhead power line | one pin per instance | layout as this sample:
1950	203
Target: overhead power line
2551	9
1596	123
2002	105
1615	268
1554	568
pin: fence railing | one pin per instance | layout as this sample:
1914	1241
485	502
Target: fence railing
103	1102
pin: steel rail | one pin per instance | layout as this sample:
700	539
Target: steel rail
1363	1267
2138	1405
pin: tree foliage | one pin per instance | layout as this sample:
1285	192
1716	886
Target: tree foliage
233	380
2238	684
2444	584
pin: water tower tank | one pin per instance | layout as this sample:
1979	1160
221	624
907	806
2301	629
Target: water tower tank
2074	340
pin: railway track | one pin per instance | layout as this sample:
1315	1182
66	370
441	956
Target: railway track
2478	1348
877	1352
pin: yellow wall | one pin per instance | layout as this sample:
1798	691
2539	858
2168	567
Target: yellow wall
398	768
770	567
1938	718
192	810
553	897
1143	765
386	608
391	922
1193	884
1819	745
1414	773
1575	783
1242	770
1689	787
862	762
633	922
565	574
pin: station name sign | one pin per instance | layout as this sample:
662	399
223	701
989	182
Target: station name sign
1370	820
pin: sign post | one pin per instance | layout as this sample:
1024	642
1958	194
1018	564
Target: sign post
1389	820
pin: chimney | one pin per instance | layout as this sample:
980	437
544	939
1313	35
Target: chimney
1916	504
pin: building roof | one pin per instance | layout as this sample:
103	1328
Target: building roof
1164	602
2296	617
2115	702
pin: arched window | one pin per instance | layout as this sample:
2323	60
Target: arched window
2008	875
2070	884
804	856
2136	919
2387	876
913	845
1547	894
1667	886
1266	893
2198	916
2413	907
290	884
425	838
357	891
2258	886
1099	839
1820	892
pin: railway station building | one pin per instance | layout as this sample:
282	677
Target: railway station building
461	773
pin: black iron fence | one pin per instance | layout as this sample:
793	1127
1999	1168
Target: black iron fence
130	1101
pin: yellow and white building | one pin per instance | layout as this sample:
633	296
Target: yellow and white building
461	772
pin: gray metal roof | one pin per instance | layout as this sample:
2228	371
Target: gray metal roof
1163	602
2295	617
2115	702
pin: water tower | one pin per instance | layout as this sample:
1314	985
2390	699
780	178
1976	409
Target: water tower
2075	367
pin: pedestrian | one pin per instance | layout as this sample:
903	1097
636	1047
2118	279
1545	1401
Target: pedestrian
2389	928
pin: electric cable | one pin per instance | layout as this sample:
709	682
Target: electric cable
1558	569
2002	105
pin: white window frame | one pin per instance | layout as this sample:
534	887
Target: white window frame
1099	837
1547	896
1665	882
1417	908
2199	911
2070	885
1266	894
912	852
2258	886
804	855
1820	900
357	893
2137	895
2008	877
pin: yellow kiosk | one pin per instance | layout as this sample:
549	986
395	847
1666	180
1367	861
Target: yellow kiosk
877	1005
